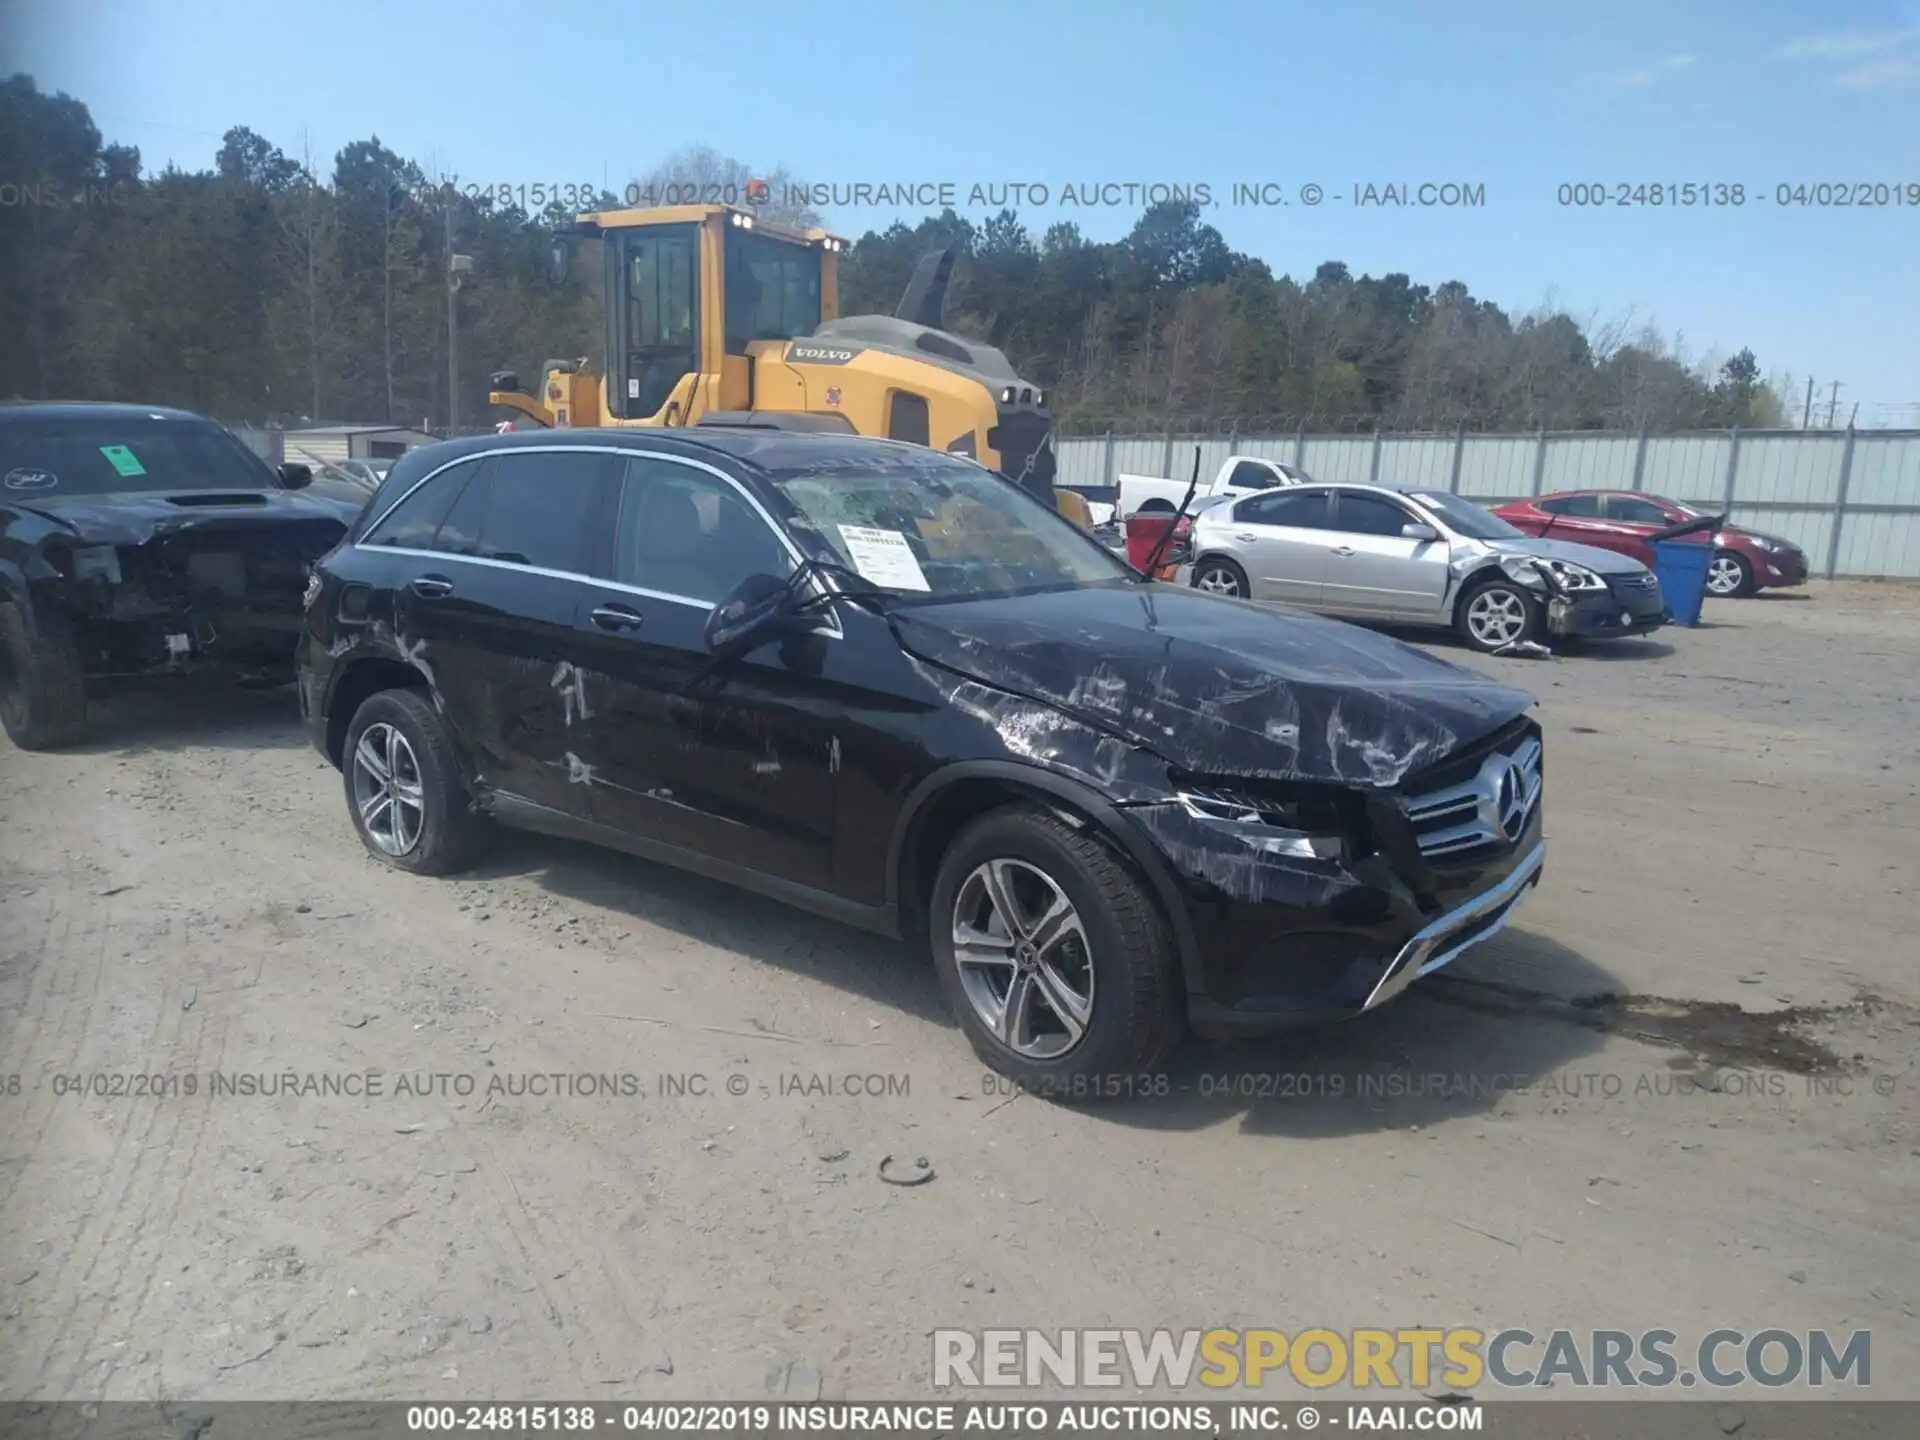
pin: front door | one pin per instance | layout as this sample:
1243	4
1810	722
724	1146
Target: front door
489	613
736	763
1282	536
1376	570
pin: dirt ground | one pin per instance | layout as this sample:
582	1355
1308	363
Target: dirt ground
1680	1091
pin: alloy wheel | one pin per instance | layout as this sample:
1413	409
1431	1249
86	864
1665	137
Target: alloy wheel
1217	580
387	789
1724	575
1024	960
1497	616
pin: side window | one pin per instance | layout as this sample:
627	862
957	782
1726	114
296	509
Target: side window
1248	475
1572	505
685	533
414	522
530	508
1626	507
1303	512
907	418
1362	514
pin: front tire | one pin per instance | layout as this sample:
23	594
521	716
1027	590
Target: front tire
405	793
1497	613
1729	576
1222	577
43	695
1053	956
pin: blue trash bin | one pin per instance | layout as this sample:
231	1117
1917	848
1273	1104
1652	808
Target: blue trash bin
1681	568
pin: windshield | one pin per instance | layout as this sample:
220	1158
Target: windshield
1467	518
929	528
46	457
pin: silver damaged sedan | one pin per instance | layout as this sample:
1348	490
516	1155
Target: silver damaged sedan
1413	556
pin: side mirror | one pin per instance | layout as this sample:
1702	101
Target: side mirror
296	477
1416	531
559	261
753	614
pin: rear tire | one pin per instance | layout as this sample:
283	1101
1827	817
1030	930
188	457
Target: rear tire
1496	613
406	794
1099	996
1222	577
43	695
1730	576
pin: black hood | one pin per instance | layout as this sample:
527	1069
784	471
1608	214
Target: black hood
134	519
1220	687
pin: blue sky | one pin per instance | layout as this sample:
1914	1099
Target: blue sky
1517	97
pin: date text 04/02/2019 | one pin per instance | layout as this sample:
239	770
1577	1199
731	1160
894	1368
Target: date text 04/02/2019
934	1418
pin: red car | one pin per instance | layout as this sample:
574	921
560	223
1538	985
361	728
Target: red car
1744	561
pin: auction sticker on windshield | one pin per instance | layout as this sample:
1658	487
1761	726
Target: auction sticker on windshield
884	557
123	460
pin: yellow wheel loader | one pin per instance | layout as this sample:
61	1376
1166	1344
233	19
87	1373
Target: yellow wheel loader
715	317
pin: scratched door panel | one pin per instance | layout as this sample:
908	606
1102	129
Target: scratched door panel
735	762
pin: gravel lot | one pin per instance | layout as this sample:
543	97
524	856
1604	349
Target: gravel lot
1679	1091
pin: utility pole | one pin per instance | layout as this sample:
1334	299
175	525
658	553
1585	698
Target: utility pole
1806	415
457	266
1833	403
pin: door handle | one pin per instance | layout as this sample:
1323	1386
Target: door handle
1244	538
431	587
1343	550
617	617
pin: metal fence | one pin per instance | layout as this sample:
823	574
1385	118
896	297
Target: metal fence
1849	498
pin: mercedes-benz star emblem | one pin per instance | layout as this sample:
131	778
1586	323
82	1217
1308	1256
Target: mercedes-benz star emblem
1510	800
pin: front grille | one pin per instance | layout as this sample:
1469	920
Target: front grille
1641	584
1458	817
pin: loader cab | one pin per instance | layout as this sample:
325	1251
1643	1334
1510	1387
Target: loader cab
692	292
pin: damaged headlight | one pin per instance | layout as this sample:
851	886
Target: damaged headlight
312	592
1567	578
1305	828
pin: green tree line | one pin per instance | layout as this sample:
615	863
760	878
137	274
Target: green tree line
273	289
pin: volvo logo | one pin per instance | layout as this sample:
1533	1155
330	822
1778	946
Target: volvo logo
1503	796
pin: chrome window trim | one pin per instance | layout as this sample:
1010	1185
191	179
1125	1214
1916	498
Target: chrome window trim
627	452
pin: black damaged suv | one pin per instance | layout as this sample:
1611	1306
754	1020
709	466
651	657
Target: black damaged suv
138	542
890	686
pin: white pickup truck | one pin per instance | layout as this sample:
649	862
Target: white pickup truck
1238	475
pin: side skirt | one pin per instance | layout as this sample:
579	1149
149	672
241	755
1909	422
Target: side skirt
526	815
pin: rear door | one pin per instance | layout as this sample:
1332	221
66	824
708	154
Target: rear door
489	613
735	763
1373	569
1281	537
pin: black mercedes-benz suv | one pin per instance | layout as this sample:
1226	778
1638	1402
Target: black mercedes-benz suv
888	685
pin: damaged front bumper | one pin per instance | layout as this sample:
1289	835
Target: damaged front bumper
1285	938
213	599
1596	615
1602	606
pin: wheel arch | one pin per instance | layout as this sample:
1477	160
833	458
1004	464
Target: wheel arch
942	804
1484	573
364	676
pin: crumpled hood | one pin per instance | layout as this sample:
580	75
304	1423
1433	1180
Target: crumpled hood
1601	562
134	519
1220	687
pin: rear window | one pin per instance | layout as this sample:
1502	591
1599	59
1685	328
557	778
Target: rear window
48	457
